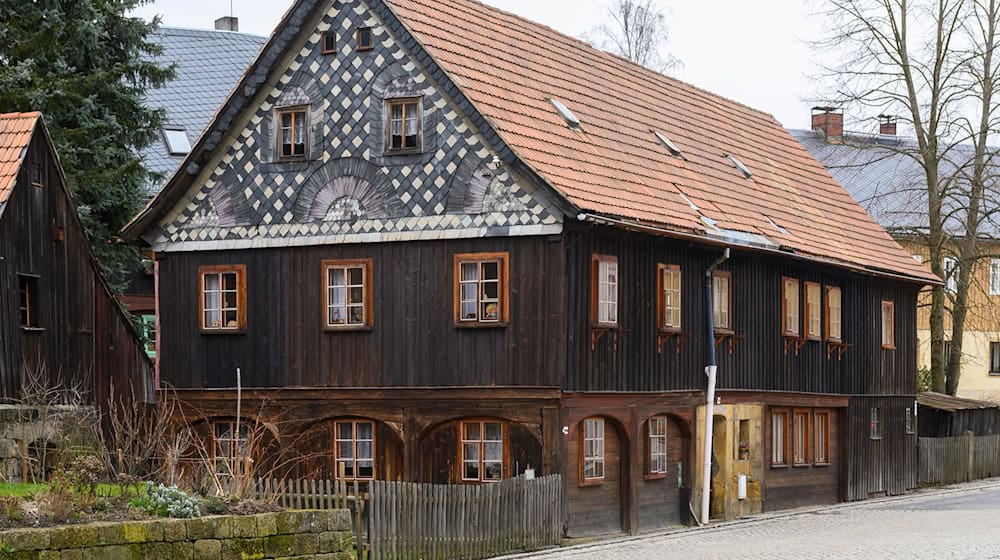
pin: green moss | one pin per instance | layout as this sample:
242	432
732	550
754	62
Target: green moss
19	540
243	549
74	536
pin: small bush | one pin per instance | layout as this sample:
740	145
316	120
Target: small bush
10	508
57	504
215	506
167	501
85	472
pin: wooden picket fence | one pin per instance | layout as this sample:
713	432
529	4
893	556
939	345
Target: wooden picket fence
958	459
429	521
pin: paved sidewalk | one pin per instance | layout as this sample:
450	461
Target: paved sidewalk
960	522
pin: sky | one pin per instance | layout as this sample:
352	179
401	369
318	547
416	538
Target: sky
754	52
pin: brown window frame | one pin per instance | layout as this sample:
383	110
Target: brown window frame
811	309
367	305
829	314
481	457
661	299
234	444
337	440
785	449
503	292
357	39
787	330
728	275
806	459
909	425
891	306
279	143
323	39
241	297
403	149
596	259
651	472
593	480
821	459
27	286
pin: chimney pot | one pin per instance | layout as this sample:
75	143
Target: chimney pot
829	121
227	23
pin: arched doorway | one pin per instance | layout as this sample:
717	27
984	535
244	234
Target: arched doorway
598	452
664	489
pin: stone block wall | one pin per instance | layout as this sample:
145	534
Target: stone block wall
322	535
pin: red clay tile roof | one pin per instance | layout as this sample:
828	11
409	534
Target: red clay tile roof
510	68
15	135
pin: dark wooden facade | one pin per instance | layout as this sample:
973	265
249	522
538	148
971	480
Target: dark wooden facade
947	416
78	335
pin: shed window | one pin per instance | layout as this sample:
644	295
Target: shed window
670	296
403	125
365	39
605	290
347	297
995	358
231	447
800	455
722	300
223	298
821	441
482	451
593	450
790	307
355	446
814	320
26	290
875	424
481	288
779	437
328	42
657	445
833	311
888	326
292	138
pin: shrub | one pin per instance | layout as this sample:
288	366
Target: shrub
167	501
10	508
85	472
215	506
57	503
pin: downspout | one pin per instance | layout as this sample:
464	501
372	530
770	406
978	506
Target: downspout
710	371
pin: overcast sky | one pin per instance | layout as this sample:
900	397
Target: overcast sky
751	51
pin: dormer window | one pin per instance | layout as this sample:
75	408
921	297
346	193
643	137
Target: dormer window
365	39
292	136
404	125
177	141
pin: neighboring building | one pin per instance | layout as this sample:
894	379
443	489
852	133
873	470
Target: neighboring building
442	243
890	184
208	63
60	325
947	416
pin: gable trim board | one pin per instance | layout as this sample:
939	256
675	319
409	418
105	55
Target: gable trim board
878	255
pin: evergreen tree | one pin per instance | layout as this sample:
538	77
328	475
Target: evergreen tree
85	64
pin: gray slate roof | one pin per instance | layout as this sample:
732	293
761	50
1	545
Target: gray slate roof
890	184
209	64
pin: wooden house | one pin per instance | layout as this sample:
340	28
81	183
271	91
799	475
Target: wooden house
447	244
59	322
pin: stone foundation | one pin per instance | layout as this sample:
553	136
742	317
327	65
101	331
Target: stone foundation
59	427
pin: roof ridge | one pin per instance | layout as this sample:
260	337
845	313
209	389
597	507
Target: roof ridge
219	32
21	115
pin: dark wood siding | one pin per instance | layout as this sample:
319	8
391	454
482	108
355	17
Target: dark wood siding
597	509
799	485
413	343
661	499
759	360
935	422
886	466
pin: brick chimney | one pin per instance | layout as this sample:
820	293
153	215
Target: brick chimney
887	125
227	23
829	121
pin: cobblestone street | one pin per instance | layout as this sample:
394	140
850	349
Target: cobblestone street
963	524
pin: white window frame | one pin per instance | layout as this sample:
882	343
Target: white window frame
670	282
657	433
606	297
814	311
481	444
472	301
355	442
950	267
995	277
345	268
791	323
722	297
593	450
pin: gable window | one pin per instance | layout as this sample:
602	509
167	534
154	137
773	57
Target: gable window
592	464
833	311
656	444
995	277
231	447
875	424
365	39
347	296
814	320
482	451
403	125
35	174
821	440
605	291
779	438
355	447
888	326
800	447
26	290
790	307
950	274
722	300
481	289
223	298
995	358
292	138
670	297
328	42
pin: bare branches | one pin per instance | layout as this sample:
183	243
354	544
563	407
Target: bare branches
638	31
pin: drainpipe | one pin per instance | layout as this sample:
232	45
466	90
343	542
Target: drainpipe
710	371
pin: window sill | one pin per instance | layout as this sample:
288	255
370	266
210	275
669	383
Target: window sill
402	152
591	482
801	465
655	476
353	328
223	331
478	325
995	374
822	464
290	159
779	466
33	329
888	347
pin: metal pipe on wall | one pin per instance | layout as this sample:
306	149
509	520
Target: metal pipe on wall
710	372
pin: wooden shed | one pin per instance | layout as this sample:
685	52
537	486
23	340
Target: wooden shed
941	415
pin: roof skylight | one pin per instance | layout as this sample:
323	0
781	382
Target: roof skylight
176	138
689	203
674	150
566	114
776	226
739	165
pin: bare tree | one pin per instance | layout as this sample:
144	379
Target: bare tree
931	63
638	31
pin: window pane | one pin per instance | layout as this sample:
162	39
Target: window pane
472	432
470	272
366	469
491	270
470	451
365	450
345	430
493	451
356	276
357	295
494	431
345	449
471	471
336	276
491	290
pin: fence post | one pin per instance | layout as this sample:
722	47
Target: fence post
970	441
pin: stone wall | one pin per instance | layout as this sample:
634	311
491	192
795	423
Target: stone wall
323	535
59	428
